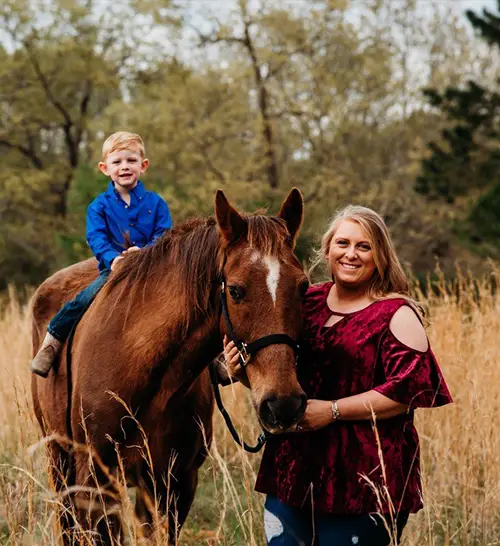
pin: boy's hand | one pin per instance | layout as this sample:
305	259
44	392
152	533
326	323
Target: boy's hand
115	261
131	249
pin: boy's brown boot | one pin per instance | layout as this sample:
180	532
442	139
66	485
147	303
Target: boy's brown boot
46	355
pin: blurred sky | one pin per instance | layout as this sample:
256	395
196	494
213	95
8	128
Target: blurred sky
195	6
197	12
477	5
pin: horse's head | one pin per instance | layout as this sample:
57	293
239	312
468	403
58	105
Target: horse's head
265	284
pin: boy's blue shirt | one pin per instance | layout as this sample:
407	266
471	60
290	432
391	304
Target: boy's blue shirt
109	218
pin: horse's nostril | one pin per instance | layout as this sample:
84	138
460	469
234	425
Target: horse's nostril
282	410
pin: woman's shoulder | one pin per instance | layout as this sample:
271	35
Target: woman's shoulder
391	303
379	315
407	328
317	292
384	307
401	318
315	297
320	288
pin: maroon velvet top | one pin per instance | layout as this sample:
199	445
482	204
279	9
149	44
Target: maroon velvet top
329	466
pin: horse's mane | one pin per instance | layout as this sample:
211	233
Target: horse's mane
192	255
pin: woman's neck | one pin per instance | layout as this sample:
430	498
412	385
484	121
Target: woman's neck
346	298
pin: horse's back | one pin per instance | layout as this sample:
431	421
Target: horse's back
49	394
55	291
100	367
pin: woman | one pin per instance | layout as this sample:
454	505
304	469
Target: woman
341	479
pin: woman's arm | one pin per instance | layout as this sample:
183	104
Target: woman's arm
359	407
408	329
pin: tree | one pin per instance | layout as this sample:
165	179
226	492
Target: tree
62	64
59	76
463	168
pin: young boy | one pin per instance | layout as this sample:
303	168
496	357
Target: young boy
126	207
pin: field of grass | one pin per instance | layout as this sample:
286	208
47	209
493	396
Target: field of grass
460	442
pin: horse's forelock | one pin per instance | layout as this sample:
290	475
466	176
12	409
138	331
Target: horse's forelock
267	235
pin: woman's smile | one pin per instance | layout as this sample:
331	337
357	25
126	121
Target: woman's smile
349	266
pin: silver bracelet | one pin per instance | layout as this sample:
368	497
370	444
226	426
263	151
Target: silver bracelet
335	411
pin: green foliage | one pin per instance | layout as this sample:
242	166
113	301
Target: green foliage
482	225
467	159
269	95
466	163
88	183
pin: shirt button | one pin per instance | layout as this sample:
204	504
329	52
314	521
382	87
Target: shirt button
131	225
140	198
126	206
149	212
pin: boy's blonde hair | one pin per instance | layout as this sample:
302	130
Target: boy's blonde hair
123	140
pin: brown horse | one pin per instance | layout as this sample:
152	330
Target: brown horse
147	338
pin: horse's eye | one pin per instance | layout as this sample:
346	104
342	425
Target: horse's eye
237	293
303	287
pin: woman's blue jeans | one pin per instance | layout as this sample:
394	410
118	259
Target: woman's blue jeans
62	324
288	526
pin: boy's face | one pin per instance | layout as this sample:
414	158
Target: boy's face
124	167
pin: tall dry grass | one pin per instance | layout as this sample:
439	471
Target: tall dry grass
460	443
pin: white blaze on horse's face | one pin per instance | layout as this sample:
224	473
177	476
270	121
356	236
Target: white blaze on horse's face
273	276
273	272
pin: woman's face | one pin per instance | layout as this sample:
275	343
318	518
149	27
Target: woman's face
351	255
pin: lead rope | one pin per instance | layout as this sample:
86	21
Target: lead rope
261	440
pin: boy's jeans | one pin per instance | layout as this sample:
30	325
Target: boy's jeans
61	325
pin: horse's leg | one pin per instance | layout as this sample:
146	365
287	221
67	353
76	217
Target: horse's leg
145	503
60	474
96	510
182	495
173	501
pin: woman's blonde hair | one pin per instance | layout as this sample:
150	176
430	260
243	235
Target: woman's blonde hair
389	279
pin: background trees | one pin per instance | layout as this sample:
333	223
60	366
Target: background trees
259	97
462	169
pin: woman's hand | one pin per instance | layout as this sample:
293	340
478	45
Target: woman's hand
231	355
233	364
318	414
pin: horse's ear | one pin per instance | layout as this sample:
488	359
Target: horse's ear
231	224
292	211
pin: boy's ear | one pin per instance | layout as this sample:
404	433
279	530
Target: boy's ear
103	168
144	165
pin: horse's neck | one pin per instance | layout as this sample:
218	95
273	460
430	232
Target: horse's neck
160	327
178	357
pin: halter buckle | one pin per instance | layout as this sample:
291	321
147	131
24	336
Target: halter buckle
244	355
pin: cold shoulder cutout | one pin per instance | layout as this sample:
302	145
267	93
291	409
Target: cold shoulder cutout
406	326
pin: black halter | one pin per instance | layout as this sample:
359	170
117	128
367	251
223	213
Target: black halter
245	351
248	350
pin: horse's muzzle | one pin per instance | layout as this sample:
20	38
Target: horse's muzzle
282	412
